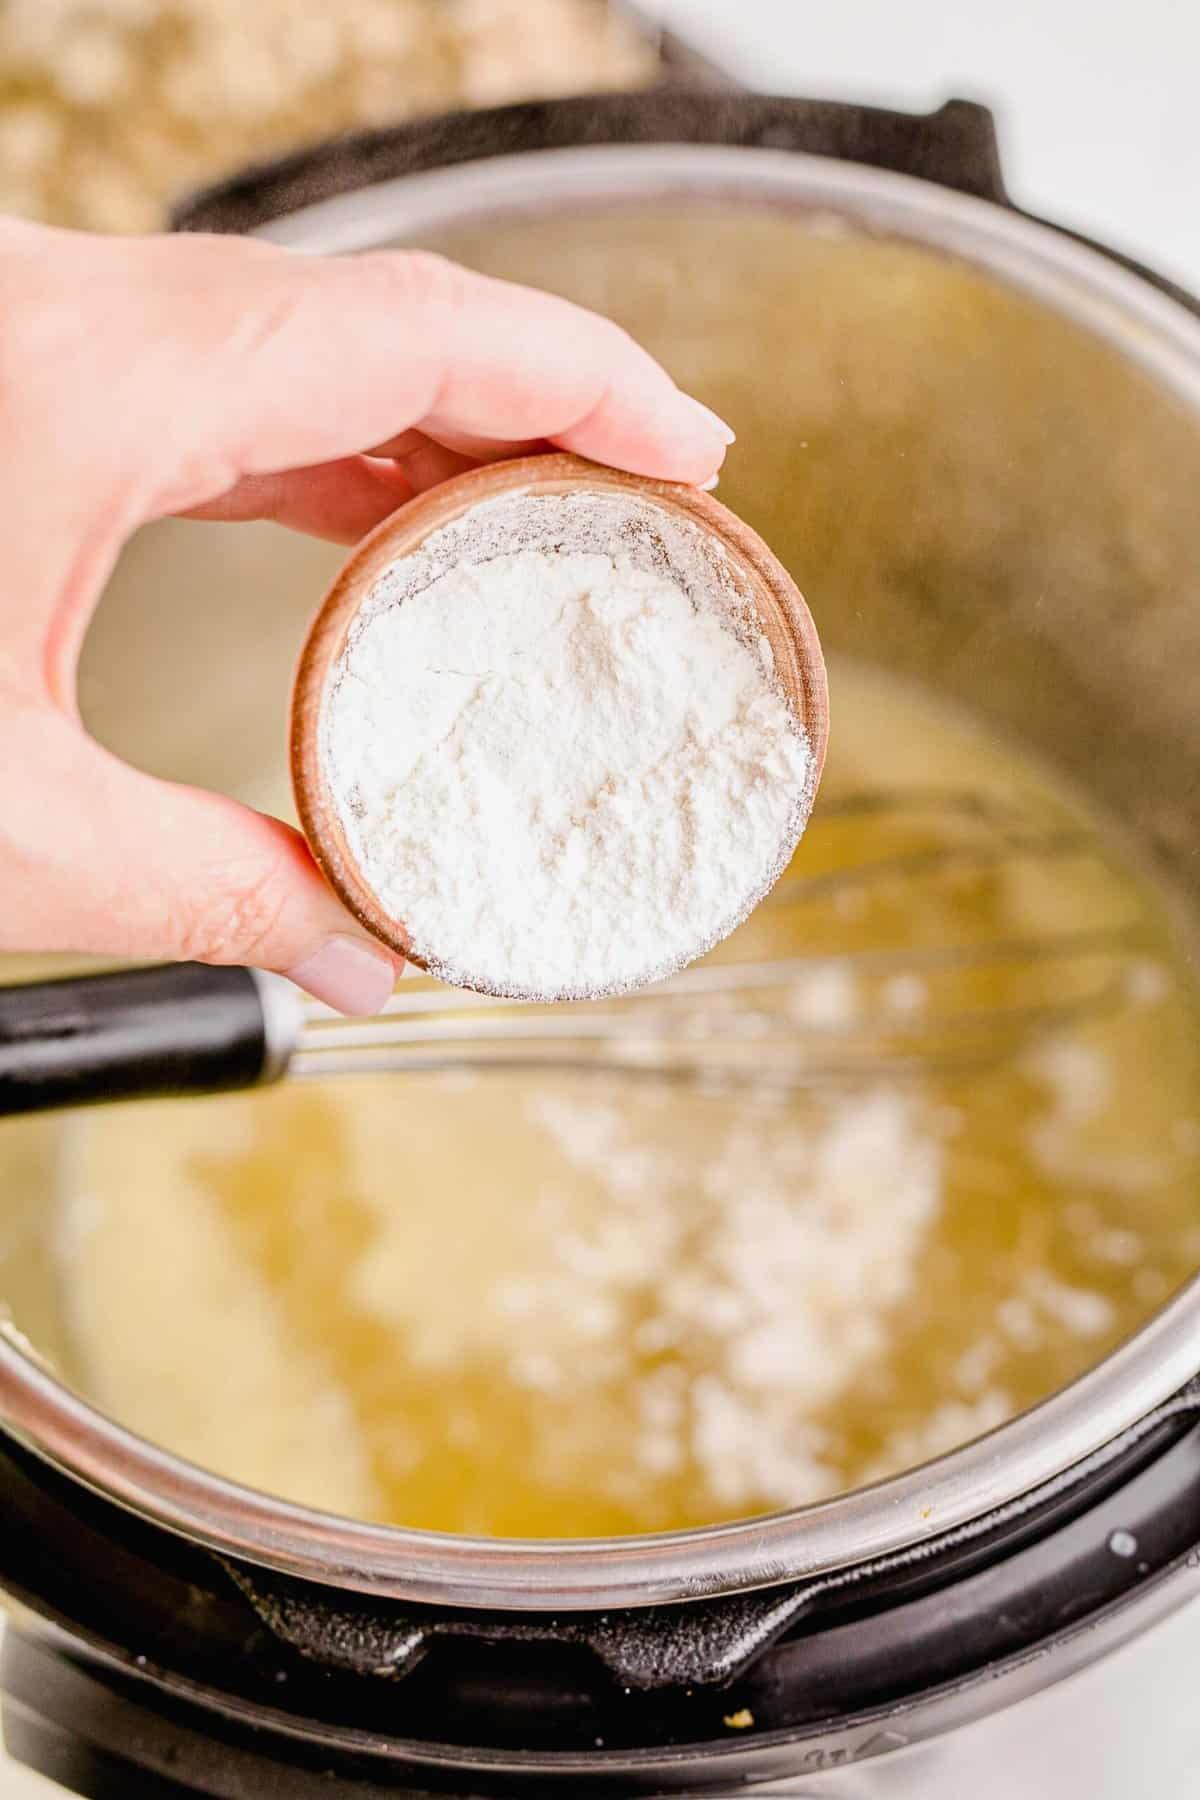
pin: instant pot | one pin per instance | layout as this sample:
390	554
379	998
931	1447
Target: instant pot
975	440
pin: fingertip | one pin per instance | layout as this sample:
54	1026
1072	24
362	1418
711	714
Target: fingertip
705	439
349	974
644	423
668	443
718	425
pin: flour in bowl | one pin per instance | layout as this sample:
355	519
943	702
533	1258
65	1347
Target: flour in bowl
558	749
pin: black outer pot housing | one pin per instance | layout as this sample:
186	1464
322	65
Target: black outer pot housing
150	1669
156	1669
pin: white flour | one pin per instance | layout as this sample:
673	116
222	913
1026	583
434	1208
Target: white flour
558	749
775	1274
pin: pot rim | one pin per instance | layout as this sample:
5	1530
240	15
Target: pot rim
997	1470
1077	279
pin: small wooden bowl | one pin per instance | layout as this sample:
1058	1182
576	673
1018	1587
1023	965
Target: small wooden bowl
785	621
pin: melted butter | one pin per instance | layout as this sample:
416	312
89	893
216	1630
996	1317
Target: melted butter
575	1305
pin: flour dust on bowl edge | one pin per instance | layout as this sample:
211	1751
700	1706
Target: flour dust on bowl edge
977	444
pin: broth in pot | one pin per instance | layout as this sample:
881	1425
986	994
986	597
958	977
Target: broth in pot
554	1305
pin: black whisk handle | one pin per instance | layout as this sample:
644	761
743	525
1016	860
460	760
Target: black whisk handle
133	1034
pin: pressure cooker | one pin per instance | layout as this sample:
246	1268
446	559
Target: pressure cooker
989	480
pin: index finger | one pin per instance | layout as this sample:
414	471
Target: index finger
306	360
524	365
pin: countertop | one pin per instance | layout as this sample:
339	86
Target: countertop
1095	105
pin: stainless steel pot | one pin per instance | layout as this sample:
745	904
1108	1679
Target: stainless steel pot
978	442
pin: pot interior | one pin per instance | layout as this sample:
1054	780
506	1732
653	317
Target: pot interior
992	513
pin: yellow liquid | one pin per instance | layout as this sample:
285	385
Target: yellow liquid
573	1305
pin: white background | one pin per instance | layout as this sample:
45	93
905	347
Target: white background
1096	101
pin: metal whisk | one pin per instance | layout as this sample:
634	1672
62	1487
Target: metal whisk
886	985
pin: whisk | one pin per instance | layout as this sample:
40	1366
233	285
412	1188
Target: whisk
841	1010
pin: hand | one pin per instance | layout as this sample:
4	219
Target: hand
229	379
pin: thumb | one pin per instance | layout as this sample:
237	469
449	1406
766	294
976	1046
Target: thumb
147	869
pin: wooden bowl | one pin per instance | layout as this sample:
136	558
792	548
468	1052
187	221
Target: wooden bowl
785	621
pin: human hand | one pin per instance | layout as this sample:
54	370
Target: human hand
229	379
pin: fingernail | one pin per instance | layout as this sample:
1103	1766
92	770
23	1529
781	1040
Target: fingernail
348	975
706	487
727	433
